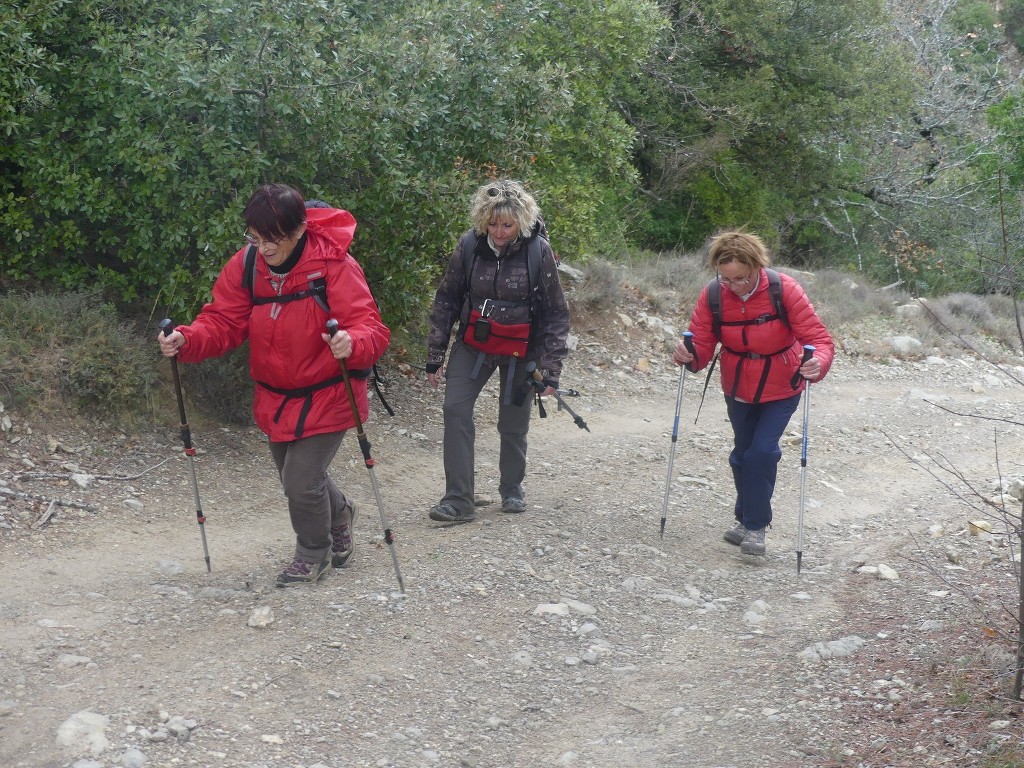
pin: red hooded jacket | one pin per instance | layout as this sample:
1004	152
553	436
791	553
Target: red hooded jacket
286	350
748	350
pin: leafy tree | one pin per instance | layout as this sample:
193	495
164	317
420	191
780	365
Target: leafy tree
769	100
1012	16
158	121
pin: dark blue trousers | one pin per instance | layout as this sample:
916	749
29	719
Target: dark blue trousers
755	455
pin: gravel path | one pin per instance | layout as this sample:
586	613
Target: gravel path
572	635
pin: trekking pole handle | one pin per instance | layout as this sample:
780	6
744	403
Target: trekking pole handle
808	353
166	326
687	337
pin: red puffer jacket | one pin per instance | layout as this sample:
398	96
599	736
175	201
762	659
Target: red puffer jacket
761	355
286	350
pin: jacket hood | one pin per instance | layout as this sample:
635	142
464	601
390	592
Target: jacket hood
336	225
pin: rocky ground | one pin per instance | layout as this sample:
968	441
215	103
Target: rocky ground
572	635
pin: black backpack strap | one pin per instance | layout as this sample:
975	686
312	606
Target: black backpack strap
707	380
534	258
249	269
775	292
306	393
467	248
715	305
317	289
377	381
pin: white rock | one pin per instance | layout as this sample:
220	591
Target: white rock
84	731
832	649
886	573
261	616
82	480
69	660
133	758
905	345
977	527
578	607
556	609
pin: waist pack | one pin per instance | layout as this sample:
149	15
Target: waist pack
494	338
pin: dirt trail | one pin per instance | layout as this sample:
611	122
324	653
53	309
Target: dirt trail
571	635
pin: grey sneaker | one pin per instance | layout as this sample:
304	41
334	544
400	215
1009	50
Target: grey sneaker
446	513
736	534
753	543
342	544
301	572
513	505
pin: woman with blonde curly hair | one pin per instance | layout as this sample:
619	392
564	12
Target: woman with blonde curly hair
502	287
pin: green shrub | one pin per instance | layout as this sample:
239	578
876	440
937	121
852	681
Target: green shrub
74	348
221	387
1012	16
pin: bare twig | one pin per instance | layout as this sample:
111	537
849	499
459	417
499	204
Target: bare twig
63	475
37	497
974	415
44	518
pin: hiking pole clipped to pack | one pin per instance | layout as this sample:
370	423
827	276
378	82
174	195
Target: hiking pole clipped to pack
364	446
167	327
688	341
537	382
808	351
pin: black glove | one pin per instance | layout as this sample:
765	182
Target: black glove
432	367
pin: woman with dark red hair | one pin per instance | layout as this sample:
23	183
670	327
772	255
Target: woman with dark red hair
277	292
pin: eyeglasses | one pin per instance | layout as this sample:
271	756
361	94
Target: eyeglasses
737	283
259	241
504	192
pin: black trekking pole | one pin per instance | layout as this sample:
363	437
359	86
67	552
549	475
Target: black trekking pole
808	351
364	445
688	341
537	381
186	437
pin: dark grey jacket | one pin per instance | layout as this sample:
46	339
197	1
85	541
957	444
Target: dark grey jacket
505	279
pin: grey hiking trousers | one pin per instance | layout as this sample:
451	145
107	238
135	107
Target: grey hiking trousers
460	395
314	502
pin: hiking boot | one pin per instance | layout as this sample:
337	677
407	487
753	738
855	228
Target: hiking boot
342	545
753	543
513	505
301	572
736	534
446	513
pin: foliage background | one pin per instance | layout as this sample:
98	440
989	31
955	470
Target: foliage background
882	137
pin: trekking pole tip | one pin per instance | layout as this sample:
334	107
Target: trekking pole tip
799	557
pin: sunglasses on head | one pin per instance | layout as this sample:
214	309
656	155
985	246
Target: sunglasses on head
503	192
